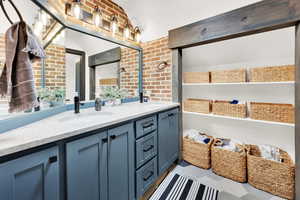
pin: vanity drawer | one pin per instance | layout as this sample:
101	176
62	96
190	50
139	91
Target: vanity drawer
146	176
146	148
145	126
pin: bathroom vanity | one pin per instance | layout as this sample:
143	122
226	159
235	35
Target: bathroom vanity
110	155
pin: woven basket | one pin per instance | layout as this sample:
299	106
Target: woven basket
270	176
272	112
197	105
273	74
195	153
196	77
229	164
228	76
227	109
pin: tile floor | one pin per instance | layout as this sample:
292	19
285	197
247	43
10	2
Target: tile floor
230	190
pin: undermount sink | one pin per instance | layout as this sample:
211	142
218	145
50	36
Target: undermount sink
84	114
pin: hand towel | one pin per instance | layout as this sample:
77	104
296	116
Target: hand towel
17	81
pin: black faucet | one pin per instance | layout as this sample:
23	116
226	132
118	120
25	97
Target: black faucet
76	104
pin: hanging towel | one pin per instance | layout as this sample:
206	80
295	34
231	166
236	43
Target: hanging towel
17	81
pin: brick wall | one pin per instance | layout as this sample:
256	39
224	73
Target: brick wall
108	9
55	73
2	52
157	84
129	79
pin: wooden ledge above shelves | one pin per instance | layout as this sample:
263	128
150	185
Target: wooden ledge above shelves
240	119
243	83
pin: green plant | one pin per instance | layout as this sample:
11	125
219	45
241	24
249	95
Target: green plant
51	95
112	93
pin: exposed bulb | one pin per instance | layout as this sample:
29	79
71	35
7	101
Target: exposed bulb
97	17
127	32
138	37
114	28
38	28
44	18
97	20
77	10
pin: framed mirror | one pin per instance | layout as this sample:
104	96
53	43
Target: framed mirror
79	60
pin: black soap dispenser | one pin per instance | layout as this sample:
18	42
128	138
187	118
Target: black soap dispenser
76	103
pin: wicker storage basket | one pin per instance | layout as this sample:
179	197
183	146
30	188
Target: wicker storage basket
228	76
273	74
197	105
272	112
270	176
229	164
196	77
227	109
195	153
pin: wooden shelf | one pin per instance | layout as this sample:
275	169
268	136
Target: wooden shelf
240	119
244	83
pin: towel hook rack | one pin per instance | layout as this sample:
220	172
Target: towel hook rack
5	13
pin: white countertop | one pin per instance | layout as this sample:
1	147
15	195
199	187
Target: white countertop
68	124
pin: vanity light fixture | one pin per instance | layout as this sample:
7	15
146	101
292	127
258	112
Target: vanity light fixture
137	33
43	17
38	27
127	31
97	16
76	9
114	24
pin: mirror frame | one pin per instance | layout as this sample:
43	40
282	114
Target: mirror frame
44	5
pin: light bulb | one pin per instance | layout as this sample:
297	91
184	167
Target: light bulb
114	25
97	20
114	28
97	17
76	9
44	18
127	32
38	28
137	34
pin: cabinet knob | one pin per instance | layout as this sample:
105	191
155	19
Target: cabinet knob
148	148
113	137
104	140
149	176
53	159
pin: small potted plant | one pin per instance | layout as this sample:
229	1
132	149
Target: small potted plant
51	98
113	95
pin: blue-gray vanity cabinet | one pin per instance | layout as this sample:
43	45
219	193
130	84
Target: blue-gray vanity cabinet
168	139
86	164
121	168
32	177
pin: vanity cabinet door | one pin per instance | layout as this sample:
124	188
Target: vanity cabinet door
32	177
168	139
121	170
87	168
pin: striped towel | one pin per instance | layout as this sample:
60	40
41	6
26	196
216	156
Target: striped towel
178	187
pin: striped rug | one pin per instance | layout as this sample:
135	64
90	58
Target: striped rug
179	187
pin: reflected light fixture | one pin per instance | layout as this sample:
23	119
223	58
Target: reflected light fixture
114	24
76	8
44	17
97	16
127	31
137	33
38	27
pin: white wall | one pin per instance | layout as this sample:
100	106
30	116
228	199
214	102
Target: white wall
88	44
106	72
27	9
157	17
71	61
266	49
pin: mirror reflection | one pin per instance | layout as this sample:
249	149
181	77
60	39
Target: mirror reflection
76	64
